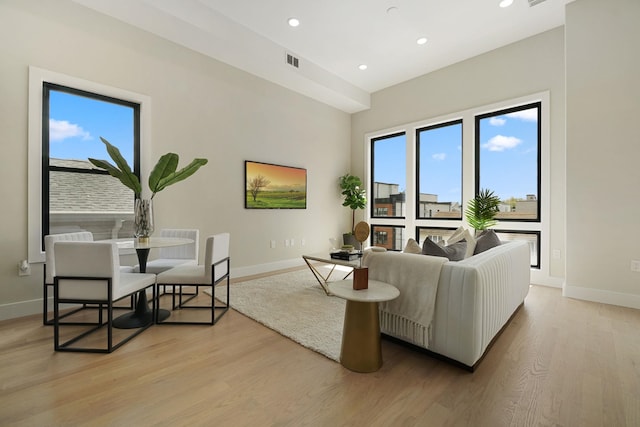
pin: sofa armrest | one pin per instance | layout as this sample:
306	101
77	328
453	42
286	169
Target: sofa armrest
476	298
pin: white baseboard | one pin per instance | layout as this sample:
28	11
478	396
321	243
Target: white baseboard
605	297
266	268
20	309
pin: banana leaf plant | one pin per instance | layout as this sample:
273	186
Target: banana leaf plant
164	173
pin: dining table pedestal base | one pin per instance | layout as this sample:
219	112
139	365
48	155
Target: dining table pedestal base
141	316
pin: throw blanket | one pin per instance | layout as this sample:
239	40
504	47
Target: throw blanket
409	316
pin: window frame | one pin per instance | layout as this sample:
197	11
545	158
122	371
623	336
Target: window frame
469	173
37	78
417	162
477	148
370	200
47	168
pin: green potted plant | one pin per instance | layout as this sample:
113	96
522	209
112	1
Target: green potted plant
482	209
354	198
164	174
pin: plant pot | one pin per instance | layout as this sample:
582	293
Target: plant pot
350	239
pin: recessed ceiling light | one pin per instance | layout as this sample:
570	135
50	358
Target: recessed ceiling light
293	22
505	3
421	40
362	67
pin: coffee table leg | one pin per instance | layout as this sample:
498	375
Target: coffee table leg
361	350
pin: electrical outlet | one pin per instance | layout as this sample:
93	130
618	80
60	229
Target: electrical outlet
635	265
24	268
293	242
273	244
286	243
302	242
556	254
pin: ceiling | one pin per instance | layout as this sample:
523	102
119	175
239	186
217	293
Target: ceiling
336	36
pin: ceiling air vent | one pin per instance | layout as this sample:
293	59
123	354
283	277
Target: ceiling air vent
292	60
534	2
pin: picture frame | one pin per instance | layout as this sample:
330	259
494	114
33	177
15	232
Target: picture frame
272	186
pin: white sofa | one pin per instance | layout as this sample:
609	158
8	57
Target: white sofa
474	298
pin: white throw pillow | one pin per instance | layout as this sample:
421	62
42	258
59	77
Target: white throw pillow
412	247
463	234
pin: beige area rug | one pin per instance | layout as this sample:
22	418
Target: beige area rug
294	305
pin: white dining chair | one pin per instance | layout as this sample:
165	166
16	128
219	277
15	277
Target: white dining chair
89	273
213	272
173	256
49	270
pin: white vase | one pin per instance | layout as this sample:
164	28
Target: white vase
143	218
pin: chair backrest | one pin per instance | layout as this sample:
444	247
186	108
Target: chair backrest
49	240
189	251
86	259
217	248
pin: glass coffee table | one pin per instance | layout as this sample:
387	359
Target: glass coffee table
326	259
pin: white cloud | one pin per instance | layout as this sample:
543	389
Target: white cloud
60	130
439	156
501	143
497	121
530	115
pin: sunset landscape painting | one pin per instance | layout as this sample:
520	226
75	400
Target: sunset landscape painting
269	186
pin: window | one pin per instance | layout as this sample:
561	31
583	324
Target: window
503	147
388	182
508	160
437	234
387	236
439	171
76	196
56	162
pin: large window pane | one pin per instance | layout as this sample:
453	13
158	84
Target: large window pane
388	183
387	236
508	160
439	167
438	235
77	196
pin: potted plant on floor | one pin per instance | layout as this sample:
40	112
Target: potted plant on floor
354	198
482	209
164	174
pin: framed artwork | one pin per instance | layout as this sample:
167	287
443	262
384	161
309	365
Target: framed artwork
269	186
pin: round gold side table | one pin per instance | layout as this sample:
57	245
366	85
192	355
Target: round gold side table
361	350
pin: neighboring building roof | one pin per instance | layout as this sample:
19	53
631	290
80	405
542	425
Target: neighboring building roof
76	192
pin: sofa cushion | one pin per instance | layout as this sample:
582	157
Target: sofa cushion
412	247
486	240
454	252
463	234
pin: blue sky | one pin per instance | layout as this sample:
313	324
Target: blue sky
77	123
508	157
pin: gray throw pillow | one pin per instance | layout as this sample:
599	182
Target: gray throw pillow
486	240
454	252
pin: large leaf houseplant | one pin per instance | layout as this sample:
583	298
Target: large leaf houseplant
482	209
354	198
164	174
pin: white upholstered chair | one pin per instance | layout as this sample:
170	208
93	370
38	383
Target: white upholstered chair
49	266
49	270
213	272
173	256
89	273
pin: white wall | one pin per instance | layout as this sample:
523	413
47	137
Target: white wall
603	148
527	67
200	108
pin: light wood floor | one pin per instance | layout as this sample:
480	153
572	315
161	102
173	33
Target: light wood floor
560	362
